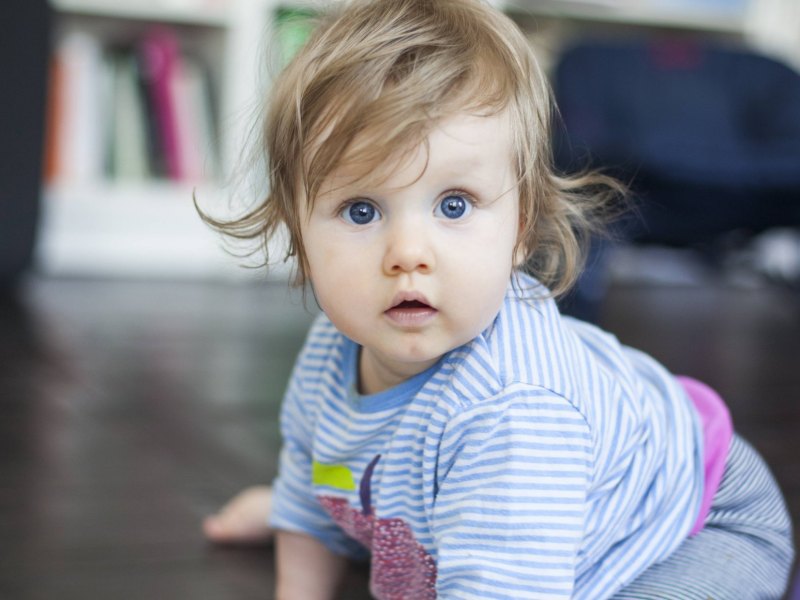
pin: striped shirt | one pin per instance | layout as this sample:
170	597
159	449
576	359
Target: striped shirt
542	459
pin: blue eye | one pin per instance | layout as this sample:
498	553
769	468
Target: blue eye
360	213
454	206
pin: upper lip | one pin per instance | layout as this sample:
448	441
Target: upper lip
409	296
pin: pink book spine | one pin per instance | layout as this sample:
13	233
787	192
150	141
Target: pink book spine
161	58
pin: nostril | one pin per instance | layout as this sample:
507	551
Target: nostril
402	268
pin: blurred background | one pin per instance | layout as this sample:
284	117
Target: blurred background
141	367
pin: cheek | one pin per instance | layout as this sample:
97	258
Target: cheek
319	246
491	268
340	276
481	279
330	257
499	244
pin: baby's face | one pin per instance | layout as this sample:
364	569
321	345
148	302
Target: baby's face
419	264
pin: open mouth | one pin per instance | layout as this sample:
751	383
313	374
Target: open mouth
411	304
411	312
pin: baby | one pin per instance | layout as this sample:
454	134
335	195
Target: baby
443	419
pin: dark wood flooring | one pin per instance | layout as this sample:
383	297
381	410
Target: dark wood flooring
130	409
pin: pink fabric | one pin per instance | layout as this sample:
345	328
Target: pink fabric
717	434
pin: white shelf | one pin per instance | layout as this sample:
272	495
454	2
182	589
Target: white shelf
148	229
182	12
634	12
151	229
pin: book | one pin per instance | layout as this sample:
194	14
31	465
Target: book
79	97
159	65
127	144
194	121
54	120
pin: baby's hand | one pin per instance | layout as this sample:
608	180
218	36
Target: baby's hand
243	520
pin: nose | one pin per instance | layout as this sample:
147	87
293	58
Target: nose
408	249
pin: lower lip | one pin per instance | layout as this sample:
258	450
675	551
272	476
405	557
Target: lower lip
411	317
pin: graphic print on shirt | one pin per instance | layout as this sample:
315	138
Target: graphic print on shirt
401	567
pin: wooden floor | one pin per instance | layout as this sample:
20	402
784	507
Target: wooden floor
129	410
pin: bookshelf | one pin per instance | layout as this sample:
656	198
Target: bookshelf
113	204
98	225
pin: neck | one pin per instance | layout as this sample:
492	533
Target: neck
375	375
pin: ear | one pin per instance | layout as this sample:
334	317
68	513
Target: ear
520	256
520	250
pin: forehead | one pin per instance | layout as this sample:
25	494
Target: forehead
464	144
470	139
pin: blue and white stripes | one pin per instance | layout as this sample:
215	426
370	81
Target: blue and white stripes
541	460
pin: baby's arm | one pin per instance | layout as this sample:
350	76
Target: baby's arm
306	568
243	519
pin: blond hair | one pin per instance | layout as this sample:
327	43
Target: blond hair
375	77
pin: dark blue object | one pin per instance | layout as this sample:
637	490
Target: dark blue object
708	136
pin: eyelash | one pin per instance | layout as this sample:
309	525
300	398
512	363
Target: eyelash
463	193
458	192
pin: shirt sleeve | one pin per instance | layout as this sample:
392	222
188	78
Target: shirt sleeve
510	507
295	506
